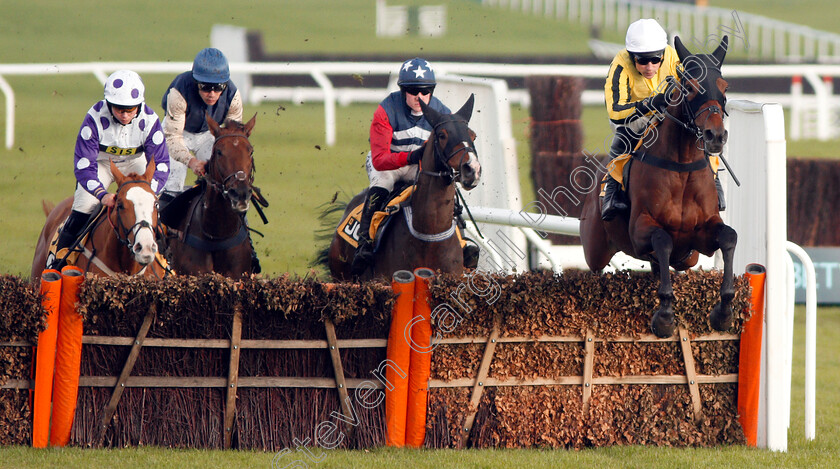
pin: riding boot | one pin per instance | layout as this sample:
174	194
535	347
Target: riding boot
69	234
614	199
613	202
374	202
721	201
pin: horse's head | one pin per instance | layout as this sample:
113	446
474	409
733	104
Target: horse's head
135	215
703	93
231	167
453	143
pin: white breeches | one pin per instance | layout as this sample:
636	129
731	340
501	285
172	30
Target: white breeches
387	179
201	145
84	202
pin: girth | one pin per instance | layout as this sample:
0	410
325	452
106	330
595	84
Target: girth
669	165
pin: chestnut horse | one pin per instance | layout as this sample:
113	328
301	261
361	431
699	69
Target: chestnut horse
423	235
125	243
673	202
212	236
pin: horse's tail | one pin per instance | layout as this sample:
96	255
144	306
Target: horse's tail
329	218
47	206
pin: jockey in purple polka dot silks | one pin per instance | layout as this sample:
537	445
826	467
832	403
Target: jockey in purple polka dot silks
206	89
120	128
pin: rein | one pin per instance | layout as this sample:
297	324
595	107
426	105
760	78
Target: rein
238	175
135	228
122	235
448	173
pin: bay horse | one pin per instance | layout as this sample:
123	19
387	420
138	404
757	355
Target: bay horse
673	202
423	235
122	241
209	233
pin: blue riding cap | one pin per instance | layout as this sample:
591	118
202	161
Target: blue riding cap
211	66
416	72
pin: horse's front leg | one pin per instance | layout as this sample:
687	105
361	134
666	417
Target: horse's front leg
721	315
662	322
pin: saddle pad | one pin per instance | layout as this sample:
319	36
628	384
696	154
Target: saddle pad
348	229
176	210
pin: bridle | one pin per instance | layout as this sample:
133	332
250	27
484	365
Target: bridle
688	109
122	233
448	173
225	186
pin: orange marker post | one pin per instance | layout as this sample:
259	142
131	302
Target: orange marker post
421	360
398	354
749	360
68	357
45	359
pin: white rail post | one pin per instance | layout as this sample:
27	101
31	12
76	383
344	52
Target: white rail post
810	338
329	104
10	112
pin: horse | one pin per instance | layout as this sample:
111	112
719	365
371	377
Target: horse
673	202
206	224
125	244
424	234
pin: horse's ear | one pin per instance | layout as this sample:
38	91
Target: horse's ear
682	52
431	115
720	52
150	170
466	110
215	128
250	125
119	177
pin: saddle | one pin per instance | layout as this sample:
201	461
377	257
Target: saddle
348	228
71	254
619	167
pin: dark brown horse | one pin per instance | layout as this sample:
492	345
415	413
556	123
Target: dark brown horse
209	233
123	241
423	232
673	201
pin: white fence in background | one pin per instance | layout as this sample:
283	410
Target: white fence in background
756	151
768	39
330	95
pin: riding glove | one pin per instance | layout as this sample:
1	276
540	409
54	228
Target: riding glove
415	156
656	103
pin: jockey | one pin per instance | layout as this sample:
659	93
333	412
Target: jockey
397	134
205	89
121	128
634	92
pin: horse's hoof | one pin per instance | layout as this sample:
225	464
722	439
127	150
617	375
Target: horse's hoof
720	318
663	325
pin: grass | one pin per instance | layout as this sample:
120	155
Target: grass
298	172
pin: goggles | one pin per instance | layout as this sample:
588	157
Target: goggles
648	60
417	90
208	87
126	109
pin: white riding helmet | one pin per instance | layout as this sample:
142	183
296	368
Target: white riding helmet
124	88
645	35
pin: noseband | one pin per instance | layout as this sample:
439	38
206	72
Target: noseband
441	160
240	175
122	232
688	109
